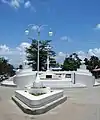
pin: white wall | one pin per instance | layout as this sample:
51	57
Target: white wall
86	79
56	83
23	80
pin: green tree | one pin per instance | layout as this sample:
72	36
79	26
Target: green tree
10	70
5	67
71	63
58	65
20	66
32	52
92	63
86	61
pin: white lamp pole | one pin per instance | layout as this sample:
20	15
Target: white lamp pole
48	57
48	61
38	52
38	29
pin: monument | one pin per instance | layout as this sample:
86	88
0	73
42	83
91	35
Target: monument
82	75
35	98
83	69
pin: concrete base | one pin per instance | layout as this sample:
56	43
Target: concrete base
51	83
96	84
8	83
38	101
41	110
84	78
61	84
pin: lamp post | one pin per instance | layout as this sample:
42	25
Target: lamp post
48	63
48	47
38	29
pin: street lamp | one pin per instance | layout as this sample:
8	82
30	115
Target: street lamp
48	62
50	33
38	29
48	48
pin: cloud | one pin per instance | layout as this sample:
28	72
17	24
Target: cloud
65	38
60	57
27	4
13	3
61	54
91	52
17	55
14	55
4	50
4	1
23	46
97	27
17	4
81	54
95	52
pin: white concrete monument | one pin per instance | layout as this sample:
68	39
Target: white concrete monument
83	69
83	76
36	98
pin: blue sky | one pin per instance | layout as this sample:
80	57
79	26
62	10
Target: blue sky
75	23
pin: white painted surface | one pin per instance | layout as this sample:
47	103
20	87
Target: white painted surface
8	83
86	79
24	79
69	84
72	76
82	77
25	71
49	72
60	84
83	71
38	101
96	83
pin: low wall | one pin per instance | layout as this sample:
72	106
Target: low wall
76	77
86	79
56	83
38	101
23	80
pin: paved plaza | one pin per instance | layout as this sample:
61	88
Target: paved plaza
82	104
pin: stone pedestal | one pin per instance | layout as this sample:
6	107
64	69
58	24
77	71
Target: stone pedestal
38	104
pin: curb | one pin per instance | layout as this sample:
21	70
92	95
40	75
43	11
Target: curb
8	85
41	110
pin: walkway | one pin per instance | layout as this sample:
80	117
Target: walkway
82	104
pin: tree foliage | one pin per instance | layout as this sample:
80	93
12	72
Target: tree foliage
92	63
6	68
20	66
32	52
71	63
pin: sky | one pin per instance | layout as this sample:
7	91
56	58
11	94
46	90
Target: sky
75	25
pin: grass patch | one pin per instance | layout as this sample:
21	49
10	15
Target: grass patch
37	94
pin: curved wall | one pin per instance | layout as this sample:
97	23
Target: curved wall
24	80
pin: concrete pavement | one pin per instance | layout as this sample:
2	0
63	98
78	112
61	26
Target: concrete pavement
82	104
